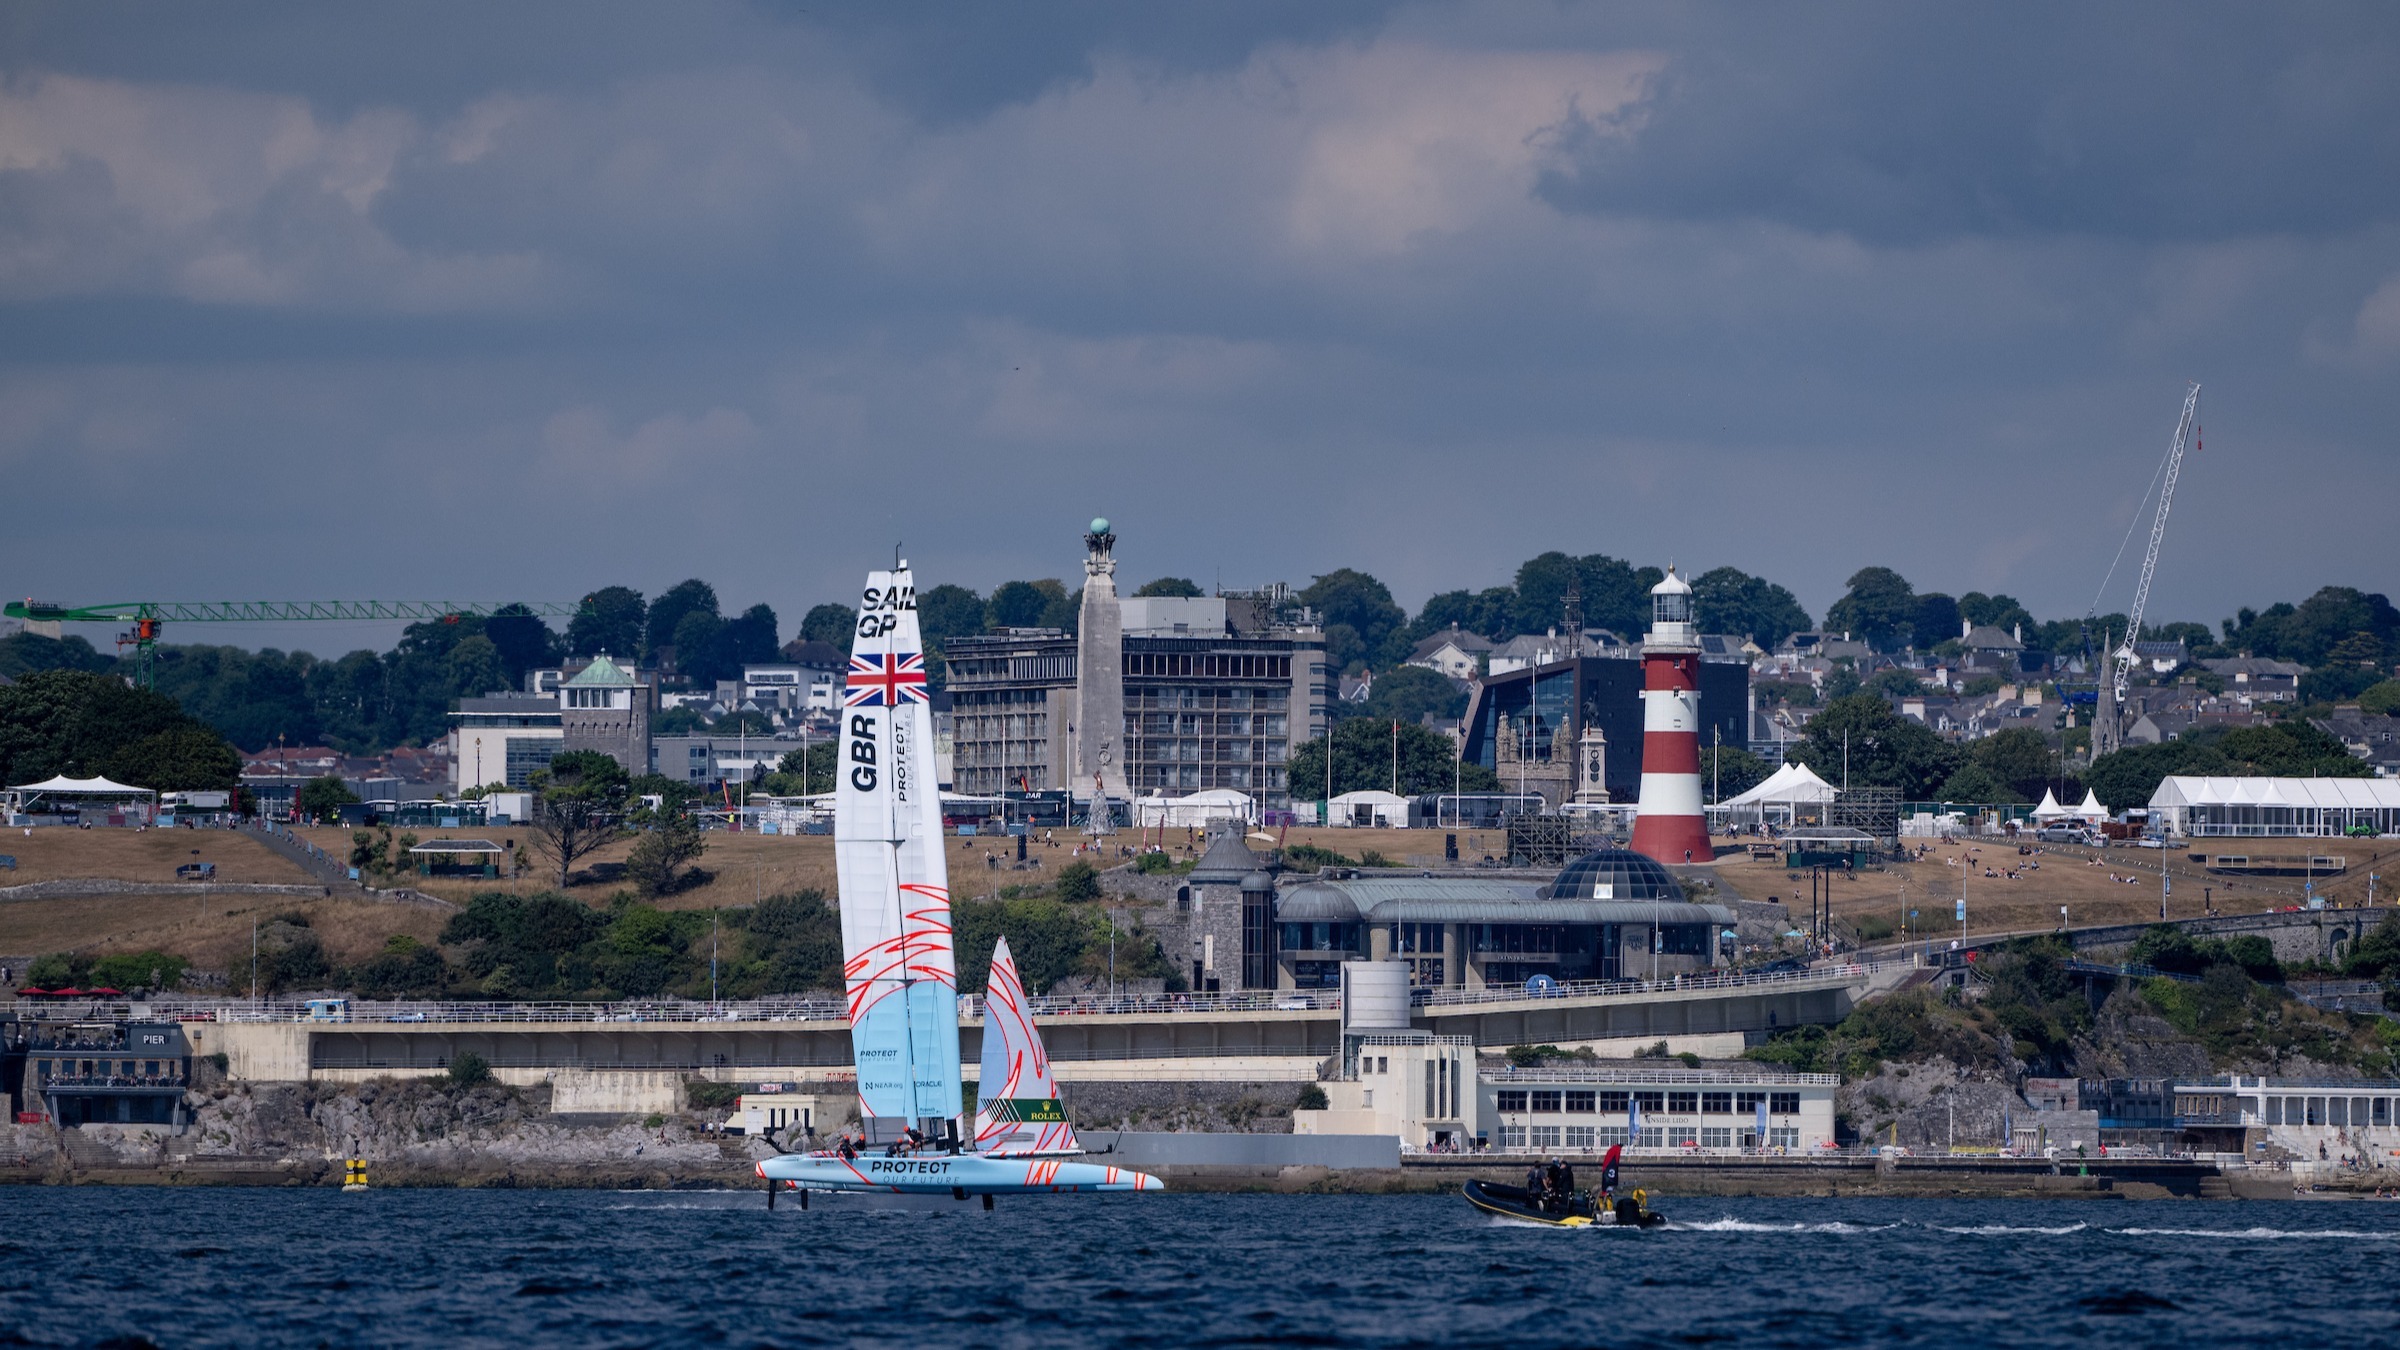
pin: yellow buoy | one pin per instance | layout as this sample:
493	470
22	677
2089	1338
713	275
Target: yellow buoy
354	1175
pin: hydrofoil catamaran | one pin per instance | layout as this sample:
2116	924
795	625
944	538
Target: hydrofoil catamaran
901	970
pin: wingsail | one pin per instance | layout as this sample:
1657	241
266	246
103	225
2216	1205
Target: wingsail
1018	1112
895	890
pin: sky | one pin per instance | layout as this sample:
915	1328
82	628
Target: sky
466	301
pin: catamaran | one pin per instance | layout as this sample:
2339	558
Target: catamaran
901	969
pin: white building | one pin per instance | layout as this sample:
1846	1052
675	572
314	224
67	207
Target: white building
505	738
2316	808
2296	1114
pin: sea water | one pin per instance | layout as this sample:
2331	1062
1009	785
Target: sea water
88	1266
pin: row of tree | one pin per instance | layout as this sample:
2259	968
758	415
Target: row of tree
1860	740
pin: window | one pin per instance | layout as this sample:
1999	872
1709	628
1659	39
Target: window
1610	1135
2340	1108
1580	1137
1506	1100
1612	1103
2383	1111
1716	1137
1683	1103
1682	1136
1512	1136
1717	1103
1651	1101
1747	1102
1580	1102
1545	1136
1784	1103
1784	1136
2316	1110
1545	1101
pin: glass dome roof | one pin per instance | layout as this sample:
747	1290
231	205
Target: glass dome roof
1615	874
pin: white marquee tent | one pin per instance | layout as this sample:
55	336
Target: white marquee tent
1789	785
2050	809
1382	810
1195	809
60	791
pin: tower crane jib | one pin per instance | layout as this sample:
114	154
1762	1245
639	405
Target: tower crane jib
2185	427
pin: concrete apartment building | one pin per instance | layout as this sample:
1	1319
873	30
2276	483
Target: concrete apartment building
1216	691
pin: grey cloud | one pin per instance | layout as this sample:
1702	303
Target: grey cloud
751	292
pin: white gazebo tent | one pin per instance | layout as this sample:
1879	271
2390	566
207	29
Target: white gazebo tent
2050	810
1380	810
1195	809
2091	810
55	793
1782	796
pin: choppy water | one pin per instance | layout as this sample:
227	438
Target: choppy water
451	1268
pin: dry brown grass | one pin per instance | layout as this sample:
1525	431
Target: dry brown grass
212	931
54	853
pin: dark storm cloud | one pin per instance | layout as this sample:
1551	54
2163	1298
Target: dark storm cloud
524	299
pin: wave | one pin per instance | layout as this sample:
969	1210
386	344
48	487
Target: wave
2250	1234
2007	1230
1729	1224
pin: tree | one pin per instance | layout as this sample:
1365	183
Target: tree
2018	759
1616	594
323	798
2382	698
1937	618
2338	684
1896	683
1878	609
611	621
2000	611
1729	600
1883	749
831	624
2291	749
1359	616
1484	613
1171	586
179	759
679	721
579	806
1017	604
1732	770
1077	882
76	723
947	612
667	612
2130	776
656	864
1974	783
792	945
1362	761
744	722
1410	693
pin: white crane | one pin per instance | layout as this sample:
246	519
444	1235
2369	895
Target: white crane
2125	656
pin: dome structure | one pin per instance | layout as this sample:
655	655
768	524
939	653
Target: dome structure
1615	874
1099	524
1672	585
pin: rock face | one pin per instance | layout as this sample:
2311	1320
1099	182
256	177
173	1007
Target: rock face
419	1132
1927	1101
2129	1039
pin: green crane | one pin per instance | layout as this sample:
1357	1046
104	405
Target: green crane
148	616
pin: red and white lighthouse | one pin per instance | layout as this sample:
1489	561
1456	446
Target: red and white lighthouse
1670	827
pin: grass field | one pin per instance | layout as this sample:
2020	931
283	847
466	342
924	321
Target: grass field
214	930
54	854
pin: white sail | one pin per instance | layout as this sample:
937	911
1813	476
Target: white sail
1018	1111
895	891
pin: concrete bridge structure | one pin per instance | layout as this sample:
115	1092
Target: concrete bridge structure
604	1057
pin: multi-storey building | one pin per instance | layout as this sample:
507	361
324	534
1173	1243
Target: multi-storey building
1217	690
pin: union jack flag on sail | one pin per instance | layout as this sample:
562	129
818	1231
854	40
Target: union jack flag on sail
885	681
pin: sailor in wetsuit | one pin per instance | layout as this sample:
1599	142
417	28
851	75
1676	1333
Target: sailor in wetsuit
1566	1187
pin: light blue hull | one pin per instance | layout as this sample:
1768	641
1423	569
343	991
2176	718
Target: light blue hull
950	1174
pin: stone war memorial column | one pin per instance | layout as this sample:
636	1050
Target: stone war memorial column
1100	674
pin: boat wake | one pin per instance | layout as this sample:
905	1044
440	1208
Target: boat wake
2009	1230
1730	1224
2256	1234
